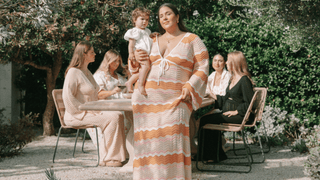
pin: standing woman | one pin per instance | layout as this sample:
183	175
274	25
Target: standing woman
175	86
234	106
80	87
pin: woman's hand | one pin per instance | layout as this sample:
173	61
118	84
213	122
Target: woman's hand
115	90
104	94
154	34
230	113
141	56
185	94
132	58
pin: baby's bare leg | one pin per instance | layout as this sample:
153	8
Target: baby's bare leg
143	72
131	81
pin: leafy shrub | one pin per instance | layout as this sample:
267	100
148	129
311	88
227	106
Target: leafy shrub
312	164
300	146
313	139
290	75
13	137
281	128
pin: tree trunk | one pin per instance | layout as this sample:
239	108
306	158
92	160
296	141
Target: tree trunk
47	120
52	74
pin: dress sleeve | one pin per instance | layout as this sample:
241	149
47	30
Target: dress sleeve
209	82
247	94
132	34
99	78
70	89
198	81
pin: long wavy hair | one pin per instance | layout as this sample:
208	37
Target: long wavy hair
181	25
239	64
108	58
78	55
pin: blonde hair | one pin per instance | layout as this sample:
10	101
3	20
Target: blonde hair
78	55
239	64
109	57
139	12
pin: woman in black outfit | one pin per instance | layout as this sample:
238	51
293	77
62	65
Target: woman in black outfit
233	105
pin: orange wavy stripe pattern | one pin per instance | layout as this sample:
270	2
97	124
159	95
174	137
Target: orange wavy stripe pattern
162	132
168	159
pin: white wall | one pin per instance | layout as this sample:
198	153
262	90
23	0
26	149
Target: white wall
9	94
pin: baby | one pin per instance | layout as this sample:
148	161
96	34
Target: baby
139	37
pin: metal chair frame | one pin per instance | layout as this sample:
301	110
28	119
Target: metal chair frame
259	107
230	128
58	101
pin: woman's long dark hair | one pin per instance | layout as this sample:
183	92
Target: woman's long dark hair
181	25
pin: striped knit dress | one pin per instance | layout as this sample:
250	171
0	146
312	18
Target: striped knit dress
161	119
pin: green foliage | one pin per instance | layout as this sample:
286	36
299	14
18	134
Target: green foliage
48	45
313	139
13	137
290	76
312	164
300	146
266	31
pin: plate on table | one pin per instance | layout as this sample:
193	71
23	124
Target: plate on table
127	95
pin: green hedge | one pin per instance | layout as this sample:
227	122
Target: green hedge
292	77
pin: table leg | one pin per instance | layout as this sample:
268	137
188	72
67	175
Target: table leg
193	126
129	144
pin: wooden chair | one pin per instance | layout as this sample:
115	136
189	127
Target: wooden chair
230	128
58	101
258	111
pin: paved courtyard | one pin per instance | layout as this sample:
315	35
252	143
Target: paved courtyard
36	157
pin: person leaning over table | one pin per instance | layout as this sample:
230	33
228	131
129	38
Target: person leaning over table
80	87
234	105
108	76
175	86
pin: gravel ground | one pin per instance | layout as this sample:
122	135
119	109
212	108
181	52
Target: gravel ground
36	157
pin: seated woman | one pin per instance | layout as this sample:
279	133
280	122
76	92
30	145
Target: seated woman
108	77
219	78
80	87
234	105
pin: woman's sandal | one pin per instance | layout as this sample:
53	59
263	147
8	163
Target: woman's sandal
113	164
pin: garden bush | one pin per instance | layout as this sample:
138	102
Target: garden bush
312	164
291	76
13	137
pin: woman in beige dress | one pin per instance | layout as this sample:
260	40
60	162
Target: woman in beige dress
108	76
80	87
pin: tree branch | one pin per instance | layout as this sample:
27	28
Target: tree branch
231	12
46	51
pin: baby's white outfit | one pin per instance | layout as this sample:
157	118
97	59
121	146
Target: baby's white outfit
142	37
